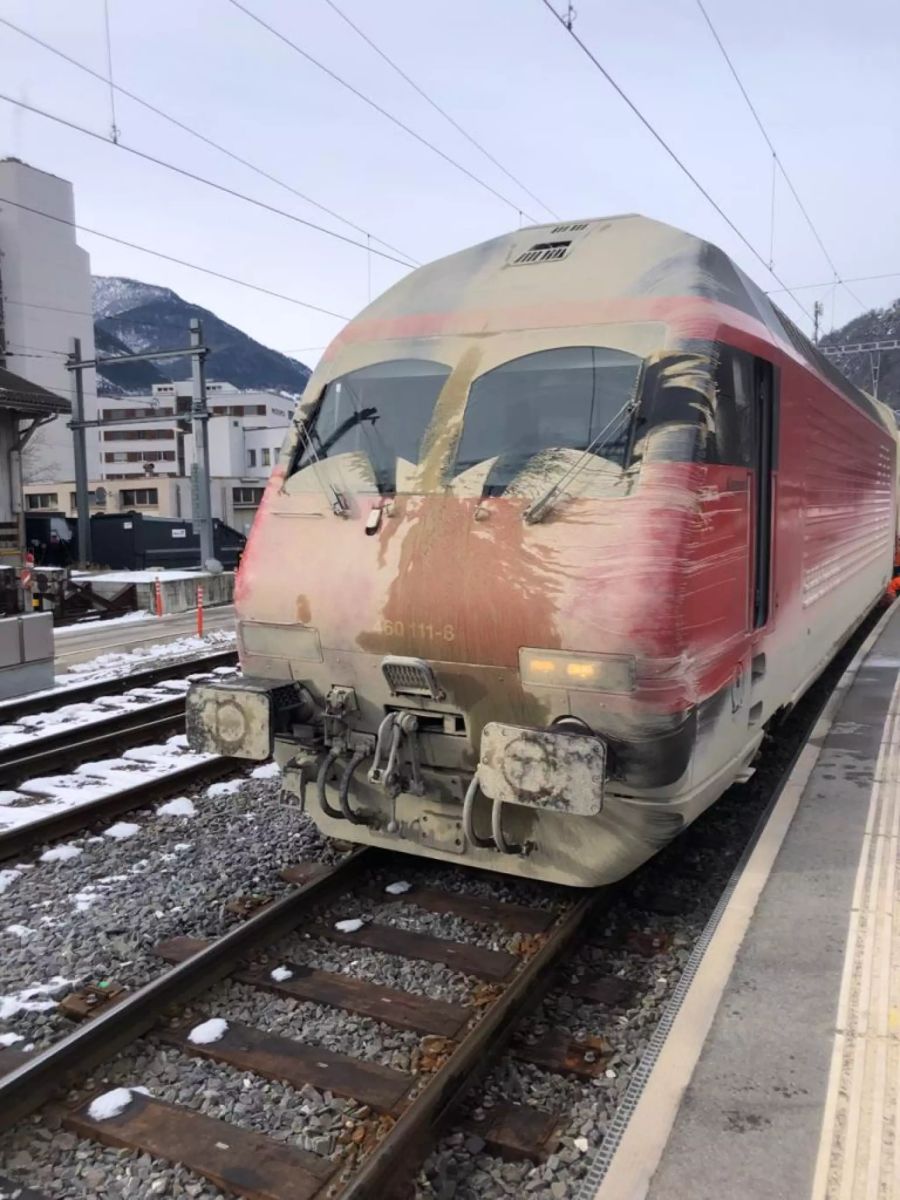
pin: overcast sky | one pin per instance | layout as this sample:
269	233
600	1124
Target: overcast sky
823	76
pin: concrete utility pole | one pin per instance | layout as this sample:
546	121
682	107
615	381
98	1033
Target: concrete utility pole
200	491
82	493
818	309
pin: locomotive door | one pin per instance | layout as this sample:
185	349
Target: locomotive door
763	463
747	437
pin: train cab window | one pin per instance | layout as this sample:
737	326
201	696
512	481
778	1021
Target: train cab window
380	412
554	399
734	409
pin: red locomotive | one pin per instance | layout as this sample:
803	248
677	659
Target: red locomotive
564	521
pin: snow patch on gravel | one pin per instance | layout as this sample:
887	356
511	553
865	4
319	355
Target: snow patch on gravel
122	830
280	974
351	925
227	787
269	770
9	1039
7	879
212	1030
26	1000
181	806
111	1103
399	888
62	853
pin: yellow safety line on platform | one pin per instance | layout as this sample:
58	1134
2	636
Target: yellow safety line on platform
859	1150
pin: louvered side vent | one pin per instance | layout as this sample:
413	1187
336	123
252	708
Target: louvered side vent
542	252
410	677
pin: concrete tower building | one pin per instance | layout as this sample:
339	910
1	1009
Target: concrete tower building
45	301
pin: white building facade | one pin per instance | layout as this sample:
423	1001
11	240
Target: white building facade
145	465
45	302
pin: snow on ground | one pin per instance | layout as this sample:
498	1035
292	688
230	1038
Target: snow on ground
122	830
226	788
45	797
27	1000
210	1031
269	770
181	806
114	665
61	853
163	574
61	719
7	878
113	1102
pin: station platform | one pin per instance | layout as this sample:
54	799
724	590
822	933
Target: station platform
779	1078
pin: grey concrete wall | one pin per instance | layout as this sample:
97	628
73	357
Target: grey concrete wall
26	654
180	595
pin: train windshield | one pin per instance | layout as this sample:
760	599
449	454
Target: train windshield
375	415
529	414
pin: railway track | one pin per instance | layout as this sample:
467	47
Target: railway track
62	750
398	1113
86	693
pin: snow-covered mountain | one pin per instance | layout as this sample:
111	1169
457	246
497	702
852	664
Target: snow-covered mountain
878	324
131	316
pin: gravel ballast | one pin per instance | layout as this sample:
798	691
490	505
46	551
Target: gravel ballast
96	914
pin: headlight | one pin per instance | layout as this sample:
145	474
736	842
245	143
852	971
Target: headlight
565	669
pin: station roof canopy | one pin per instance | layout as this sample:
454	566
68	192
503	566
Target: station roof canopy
29	399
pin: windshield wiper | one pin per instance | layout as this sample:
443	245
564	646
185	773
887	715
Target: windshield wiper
539	508
336	499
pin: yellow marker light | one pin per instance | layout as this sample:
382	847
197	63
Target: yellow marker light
567	669
580	670
543	666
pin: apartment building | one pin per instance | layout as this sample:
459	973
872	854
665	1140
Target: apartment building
146	465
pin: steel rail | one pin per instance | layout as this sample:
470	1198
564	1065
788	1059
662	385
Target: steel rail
22	838
82	743
84	693
37	1080
399	1154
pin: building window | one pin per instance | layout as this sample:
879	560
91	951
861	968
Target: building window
246	497
137	456
127	414
251	458
266	458
138	497
136	435
42	500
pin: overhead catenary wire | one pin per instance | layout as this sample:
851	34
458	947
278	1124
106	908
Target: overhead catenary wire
806	287
193	132
373	104
211	183
775	155
429	100
181	262
651	129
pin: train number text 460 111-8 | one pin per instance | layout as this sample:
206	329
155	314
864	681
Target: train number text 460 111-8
419	629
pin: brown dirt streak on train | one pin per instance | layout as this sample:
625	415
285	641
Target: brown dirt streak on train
444	429
488	586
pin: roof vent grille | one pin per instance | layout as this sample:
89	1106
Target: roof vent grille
572	227
543	252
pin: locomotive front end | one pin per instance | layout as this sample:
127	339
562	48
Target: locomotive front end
461	607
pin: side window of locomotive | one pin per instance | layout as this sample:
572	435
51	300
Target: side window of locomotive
676	419
553	400
379	413
734	411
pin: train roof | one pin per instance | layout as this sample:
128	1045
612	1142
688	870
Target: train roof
624	257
